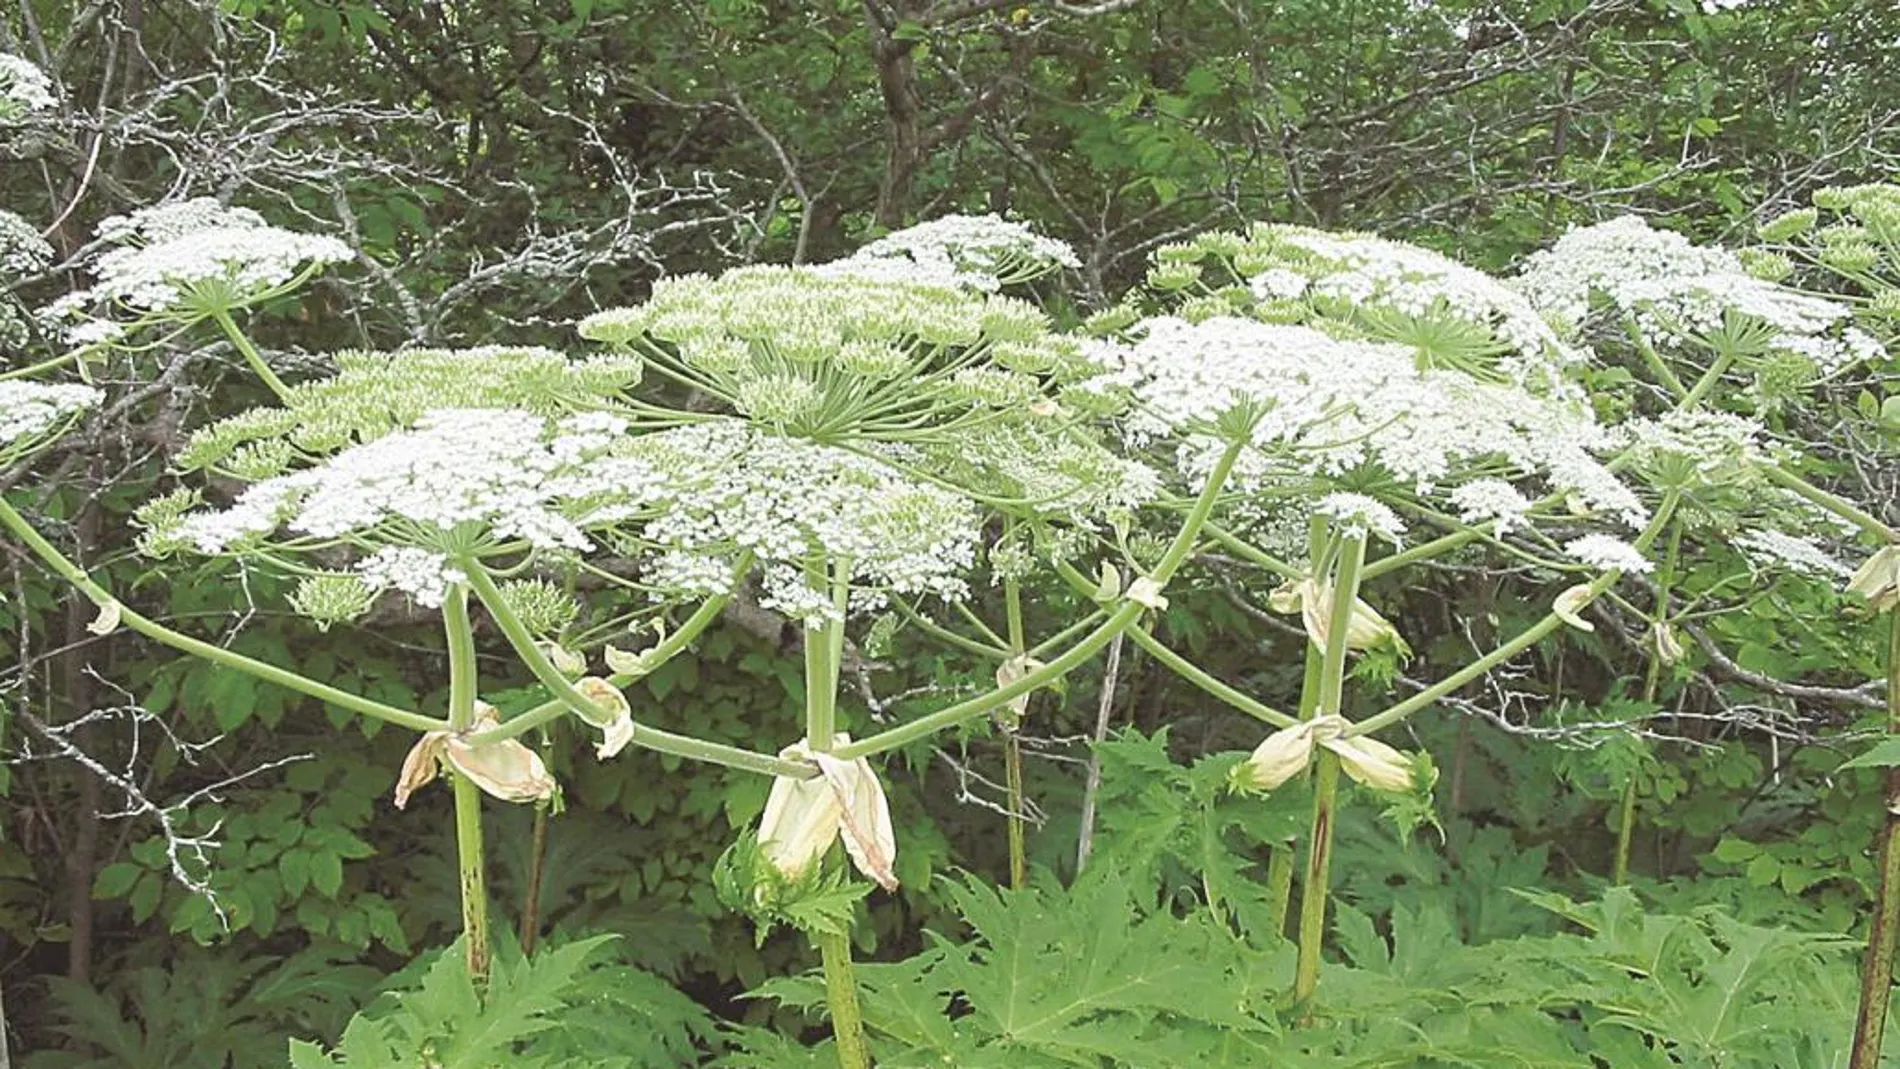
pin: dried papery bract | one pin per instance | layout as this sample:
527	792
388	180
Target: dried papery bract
803	817
507	769
1287	753
1570	604
1313	600
616	723
1877	581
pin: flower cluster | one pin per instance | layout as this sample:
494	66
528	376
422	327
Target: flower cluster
24	88
1679	293
31	411
22	250
197	257
464	483
977	252
1606	553
378	393
790	503
1450	315
1320	407
969	383
1689	448
834	356
1793	552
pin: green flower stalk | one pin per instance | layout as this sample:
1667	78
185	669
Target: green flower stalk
470	859
1877	968
1329	702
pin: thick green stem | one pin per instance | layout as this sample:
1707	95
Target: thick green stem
824	657
1652	682
470	859
824	653
1013	746
1118	621
251	355
1280	886
1314	889
1625	828
841	993
218	655
1332	688
1876	978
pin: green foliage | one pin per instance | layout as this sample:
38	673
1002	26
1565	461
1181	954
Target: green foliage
203	1008
568	1006
1097	973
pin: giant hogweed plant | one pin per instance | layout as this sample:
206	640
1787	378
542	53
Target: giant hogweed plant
845	439
846	433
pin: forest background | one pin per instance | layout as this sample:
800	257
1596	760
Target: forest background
503	167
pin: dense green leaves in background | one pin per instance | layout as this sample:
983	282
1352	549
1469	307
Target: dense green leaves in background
505	166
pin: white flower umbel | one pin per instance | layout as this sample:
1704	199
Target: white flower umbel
1779	549
1491	500
22	250
980	252
466	482
1356	515
1323	407
1695	447
1401	292
789	503
31	412
1450	316
197	257
378	393
1606	553
1678	292
844	357
24	88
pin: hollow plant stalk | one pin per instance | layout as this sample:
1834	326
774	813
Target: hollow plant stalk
1652	681
1013	746
1330	702
824	654
1876	980
470	860
251	356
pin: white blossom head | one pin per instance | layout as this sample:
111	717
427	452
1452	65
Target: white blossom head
378	393
833	357
1606	553
464	484
973	383
1322	412
978	252
1696	448
33	414
22	253
1683	298
1451	317
791	504
22	250
24	89
1770	550
195	258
